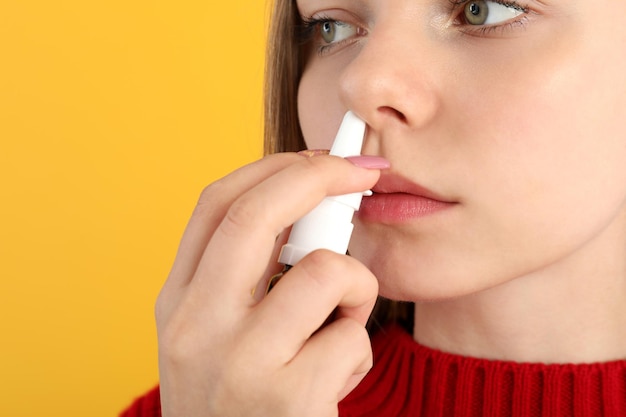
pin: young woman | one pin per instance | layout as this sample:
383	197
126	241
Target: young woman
496	151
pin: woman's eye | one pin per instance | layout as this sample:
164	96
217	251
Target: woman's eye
490	12
333	31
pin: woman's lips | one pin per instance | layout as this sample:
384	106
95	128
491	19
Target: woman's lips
398	207
397	200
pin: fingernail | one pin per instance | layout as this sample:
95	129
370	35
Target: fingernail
313	152
369	162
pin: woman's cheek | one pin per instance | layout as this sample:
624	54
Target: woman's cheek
319	107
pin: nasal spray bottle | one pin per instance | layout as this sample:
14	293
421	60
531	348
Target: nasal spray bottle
329	225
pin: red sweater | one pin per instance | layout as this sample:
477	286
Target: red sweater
411	380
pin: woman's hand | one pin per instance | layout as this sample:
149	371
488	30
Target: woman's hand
226	352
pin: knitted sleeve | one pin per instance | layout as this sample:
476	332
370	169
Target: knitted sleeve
149	405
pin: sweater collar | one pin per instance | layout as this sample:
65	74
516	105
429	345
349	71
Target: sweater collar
409	379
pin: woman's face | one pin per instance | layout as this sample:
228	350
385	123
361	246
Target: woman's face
505	125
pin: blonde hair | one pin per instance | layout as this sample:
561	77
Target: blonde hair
284	65
285	61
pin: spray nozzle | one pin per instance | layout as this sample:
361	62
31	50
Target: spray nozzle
329	225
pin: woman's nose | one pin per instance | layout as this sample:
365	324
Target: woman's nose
392	80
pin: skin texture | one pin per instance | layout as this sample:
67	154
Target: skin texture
519	124
224	351
522	126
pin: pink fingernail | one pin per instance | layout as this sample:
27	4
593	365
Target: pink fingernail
369	162
313	152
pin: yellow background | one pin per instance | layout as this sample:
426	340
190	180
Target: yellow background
113	116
